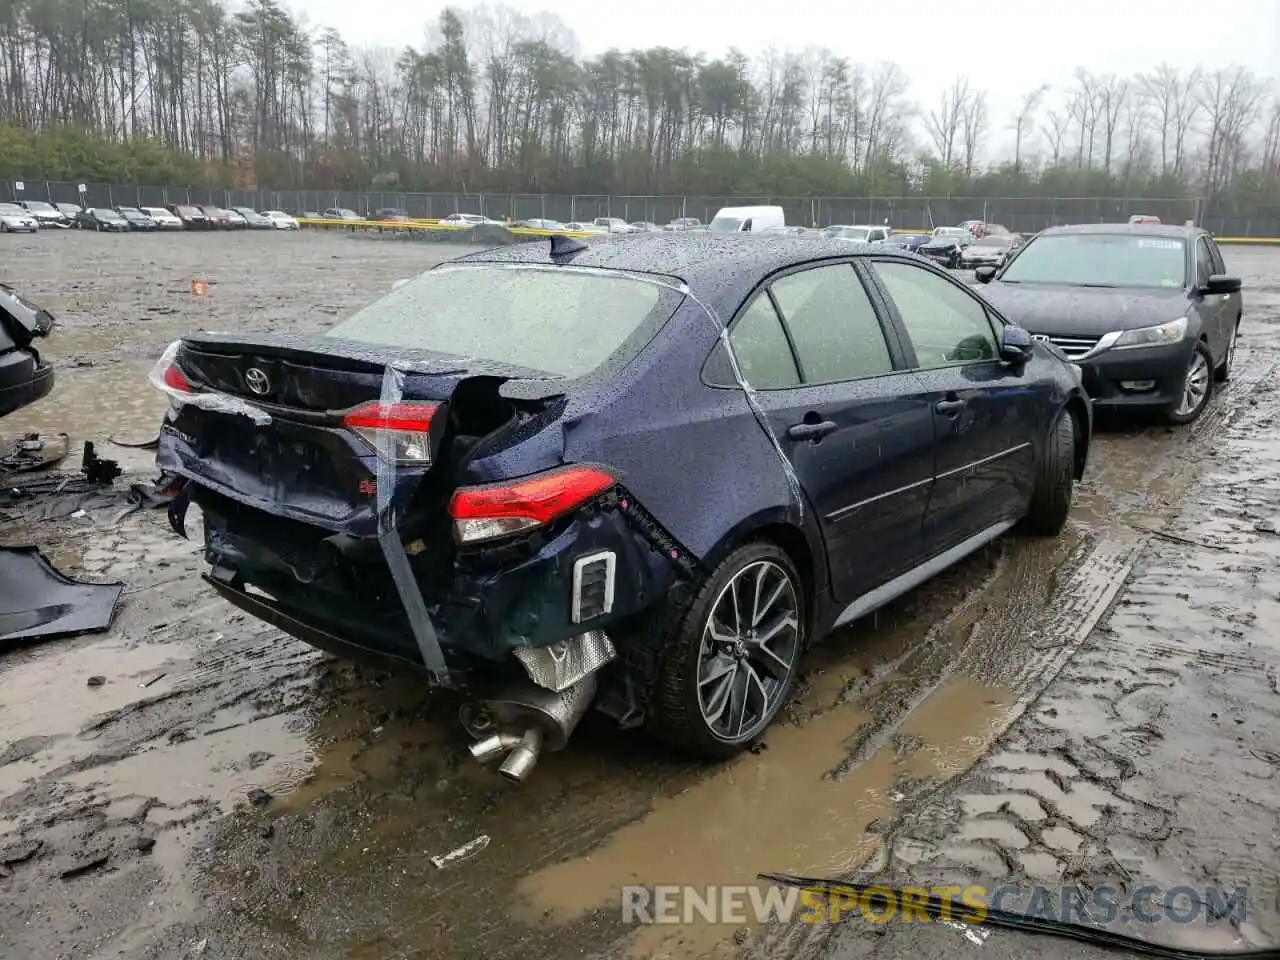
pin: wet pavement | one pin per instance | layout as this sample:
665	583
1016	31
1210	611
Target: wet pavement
1102	707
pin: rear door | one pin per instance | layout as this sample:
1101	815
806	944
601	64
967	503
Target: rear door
853	423
987	414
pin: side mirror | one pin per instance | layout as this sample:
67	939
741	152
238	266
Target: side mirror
1015	345
1221	283
984	274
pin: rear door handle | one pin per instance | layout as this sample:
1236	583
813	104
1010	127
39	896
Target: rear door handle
949	406
811	431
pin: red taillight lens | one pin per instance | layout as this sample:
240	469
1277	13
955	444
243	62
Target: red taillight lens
175	379
405	429
498	510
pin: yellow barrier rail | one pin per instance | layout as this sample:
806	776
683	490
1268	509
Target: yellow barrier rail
435	226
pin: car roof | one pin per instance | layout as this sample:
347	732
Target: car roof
1133	229
717	264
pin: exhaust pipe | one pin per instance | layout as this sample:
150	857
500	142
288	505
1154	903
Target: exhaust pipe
491	748
546	718
521	760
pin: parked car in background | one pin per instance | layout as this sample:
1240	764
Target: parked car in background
341	213
989	251
790	231
575	226
253	219
392	215
946	245
614	225
163	218
683	223
103	220
25	376
235	219
46	214
218	218
1148	312
70	211
577	559
646	226
910	242
310	215
13	219
467	220
281	220
192	217
137	219
857	233
539	223
747	219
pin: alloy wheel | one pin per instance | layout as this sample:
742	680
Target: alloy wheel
750	646
1195	385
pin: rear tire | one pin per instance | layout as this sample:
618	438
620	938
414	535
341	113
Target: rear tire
1055	480
1197	388
729	665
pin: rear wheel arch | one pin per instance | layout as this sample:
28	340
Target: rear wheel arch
802	545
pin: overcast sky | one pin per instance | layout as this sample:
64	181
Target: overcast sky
1004	46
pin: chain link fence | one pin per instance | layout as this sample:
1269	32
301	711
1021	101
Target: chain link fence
1020	214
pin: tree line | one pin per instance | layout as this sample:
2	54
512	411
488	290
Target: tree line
203	92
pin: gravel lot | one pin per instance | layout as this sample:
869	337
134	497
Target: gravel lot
1099	708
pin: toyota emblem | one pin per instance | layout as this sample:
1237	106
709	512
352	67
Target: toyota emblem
257	381
1041	337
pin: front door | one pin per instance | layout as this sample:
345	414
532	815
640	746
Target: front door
853	423
985	411
1217	311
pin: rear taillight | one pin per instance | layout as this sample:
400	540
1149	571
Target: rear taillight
502	509
399	432
175	379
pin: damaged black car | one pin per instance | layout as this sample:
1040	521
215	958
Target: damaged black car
640	473
25	377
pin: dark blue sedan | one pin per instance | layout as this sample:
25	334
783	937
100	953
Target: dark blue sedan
641	472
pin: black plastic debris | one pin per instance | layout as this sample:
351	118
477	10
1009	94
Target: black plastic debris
149	444
98	469
39	603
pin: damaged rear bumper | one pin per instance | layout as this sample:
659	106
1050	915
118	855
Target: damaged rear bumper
546	605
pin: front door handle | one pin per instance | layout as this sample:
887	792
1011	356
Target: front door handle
811	431
949	406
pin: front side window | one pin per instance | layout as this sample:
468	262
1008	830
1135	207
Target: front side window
1219	265
945	324
1101	260
1204	262
561	321
833	324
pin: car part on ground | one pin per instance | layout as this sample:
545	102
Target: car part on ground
33	452
517	501
25	376
39	603
1147	311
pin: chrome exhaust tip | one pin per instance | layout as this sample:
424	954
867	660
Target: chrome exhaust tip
490	748
523	757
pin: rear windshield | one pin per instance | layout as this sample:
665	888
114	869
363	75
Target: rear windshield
562	321
1101	259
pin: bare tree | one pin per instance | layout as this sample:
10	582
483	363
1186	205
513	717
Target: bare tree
1024	121
1230	99
1056	126
944	123
1111	95
1083	109
1174	107
973	127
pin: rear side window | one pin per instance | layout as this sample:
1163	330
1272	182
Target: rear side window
759	343
834	326
561	321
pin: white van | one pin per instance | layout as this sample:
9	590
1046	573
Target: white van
747	219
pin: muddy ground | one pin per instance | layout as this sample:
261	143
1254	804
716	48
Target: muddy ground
1103	707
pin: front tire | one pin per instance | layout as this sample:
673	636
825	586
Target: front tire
1055	480
730	663
1197	388
1223	373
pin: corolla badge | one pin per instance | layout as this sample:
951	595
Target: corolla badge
257	381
